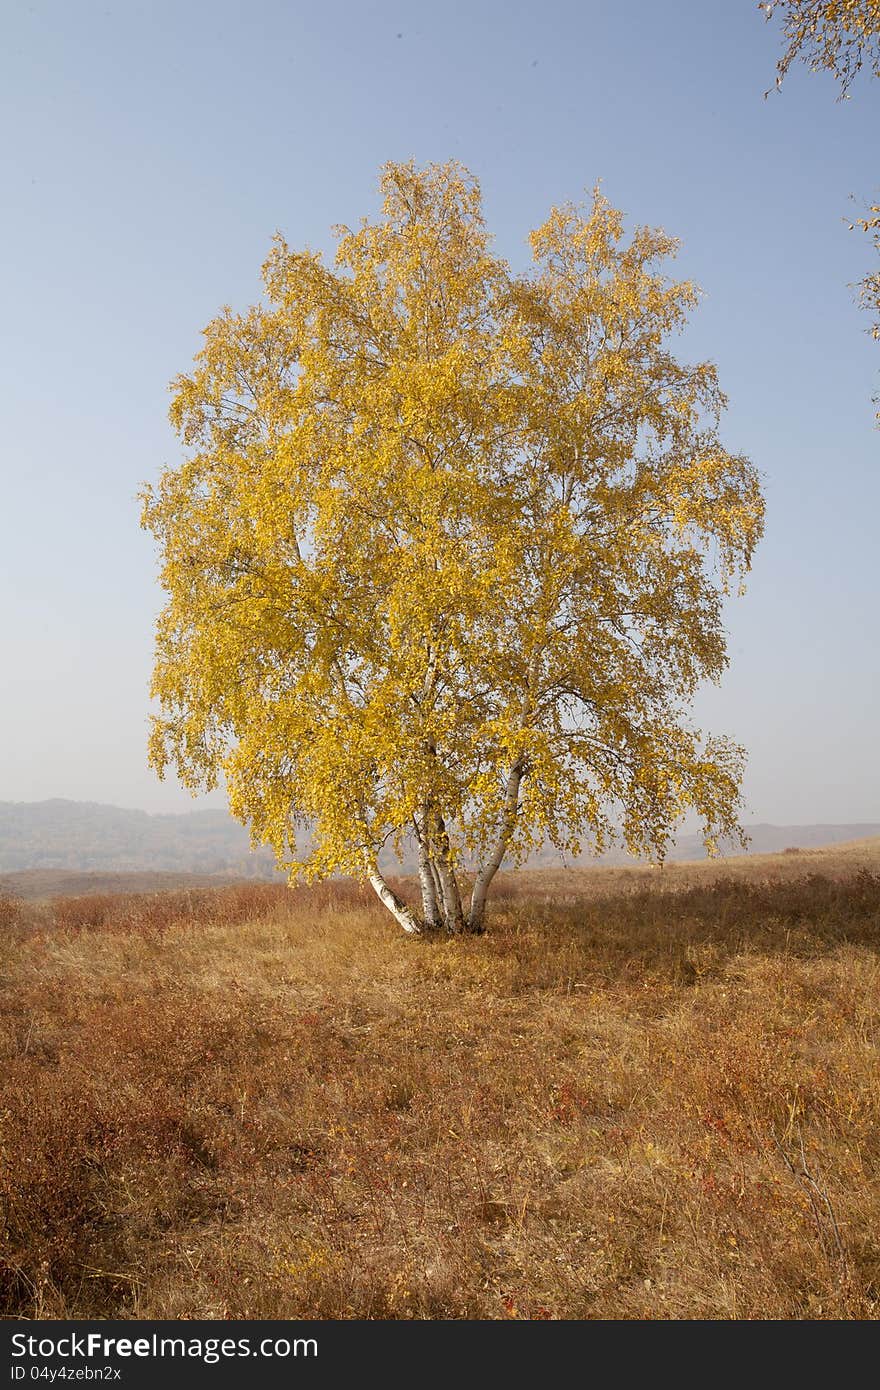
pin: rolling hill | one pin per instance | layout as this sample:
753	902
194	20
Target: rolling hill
61	837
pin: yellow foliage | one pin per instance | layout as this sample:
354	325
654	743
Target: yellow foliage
447	552
836	36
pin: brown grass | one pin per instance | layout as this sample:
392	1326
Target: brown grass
641	1095
69	883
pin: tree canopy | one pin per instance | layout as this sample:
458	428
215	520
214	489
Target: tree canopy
836	36
840	37
446	554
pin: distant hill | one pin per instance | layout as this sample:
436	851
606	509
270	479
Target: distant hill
86	837
763	839
36	884
773	839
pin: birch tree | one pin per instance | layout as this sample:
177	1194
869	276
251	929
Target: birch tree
446	551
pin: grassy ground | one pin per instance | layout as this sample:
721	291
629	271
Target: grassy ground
642	1095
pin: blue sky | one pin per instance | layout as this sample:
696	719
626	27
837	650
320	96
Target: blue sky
151	151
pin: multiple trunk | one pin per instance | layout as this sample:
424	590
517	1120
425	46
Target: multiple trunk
442	906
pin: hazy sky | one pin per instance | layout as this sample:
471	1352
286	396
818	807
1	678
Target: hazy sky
151	150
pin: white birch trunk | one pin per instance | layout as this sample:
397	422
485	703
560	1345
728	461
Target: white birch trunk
438	889
396	906
428	881
453	913
490	867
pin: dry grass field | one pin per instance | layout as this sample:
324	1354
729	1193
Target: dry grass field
642	1094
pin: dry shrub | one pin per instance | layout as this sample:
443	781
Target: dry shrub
637	1096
